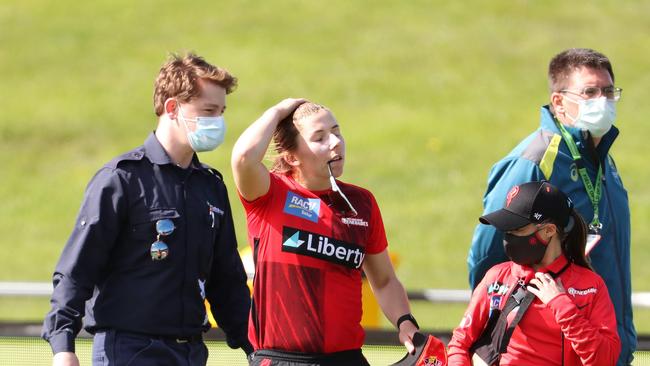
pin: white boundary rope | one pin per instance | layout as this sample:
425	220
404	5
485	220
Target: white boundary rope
639	299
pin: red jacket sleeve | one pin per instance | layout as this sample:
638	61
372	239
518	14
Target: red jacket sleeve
470	327
377	242
592	334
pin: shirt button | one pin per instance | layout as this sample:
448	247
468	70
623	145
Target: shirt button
83	222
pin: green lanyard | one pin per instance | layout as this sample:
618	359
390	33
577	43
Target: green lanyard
593	193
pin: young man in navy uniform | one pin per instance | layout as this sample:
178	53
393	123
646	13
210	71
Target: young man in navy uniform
154	238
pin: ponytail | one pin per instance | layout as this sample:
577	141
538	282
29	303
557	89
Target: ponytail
285	139
574	241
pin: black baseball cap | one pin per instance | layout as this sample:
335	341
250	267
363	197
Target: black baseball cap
531	203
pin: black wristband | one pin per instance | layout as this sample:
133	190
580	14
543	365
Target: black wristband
406	317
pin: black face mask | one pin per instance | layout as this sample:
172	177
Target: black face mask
524	250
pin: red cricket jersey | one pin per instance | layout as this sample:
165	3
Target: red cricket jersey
307	286
577	327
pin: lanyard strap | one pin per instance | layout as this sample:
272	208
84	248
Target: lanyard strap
522	298
594	193
495	337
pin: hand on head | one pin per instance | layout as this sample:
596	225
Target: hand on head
287	106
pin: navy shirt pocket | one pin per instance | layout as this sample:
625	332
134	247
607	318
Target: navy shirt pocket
142	233
143	222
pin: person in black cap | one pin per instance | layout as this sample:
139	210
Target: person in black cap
546	306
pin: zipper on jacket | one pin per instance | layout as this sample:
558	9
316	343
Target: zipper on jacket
562	343
616	252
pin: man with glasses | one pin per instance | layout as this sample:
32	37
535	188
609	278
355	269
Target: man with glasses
155	238
570	149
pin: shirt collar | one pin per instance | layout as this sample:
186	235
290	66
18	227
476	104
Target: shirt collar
547	122
155	152
527	273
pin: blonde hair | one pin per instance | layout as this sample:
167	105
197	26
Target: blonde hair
285	136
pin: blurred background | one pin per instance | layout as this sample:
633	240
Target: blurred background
429	95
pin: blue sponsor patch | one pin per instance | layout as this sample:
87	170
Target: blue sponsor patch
495	303
306	208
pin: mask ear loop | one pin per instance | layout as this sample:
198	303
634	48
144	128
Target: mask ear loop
566	113
181	116
569	226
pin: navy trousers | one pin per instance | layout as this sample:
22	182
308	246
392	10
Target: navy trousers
116	348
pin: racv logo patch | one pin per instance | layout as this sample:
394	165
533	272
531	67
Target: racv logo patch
322	247
306	208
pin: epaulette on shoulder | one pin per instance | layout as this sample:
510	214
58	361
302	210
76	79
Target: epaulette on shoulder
214	172
133	155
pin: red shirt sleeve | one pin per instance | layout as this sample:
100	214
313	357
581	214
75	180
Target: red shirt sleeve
471	326
260	201
377	241
592	334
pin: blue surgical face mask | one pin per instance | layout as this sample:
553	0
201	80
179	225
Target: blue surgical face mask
594	115
208	134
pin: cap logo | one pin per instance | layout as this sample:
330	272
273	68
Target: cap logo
537	216
512	194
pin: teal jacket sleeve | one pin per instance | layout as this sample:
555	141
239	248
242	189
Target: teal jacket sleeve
487	243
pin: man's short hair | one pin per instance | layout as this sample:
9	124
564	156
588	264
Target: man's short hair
565	63
179	78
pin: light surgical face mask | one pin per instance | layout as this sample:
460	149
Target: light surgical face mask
595	115
209	132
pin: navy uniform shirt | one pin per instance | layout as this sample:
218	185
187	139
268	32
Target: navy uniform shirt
107	258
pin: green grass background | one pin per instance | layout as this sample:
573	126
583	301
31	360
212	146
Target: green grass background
35	352
429	95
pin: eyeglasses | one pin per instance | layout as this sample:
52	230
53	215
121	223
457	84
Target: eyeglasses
590	92
159	250
338	200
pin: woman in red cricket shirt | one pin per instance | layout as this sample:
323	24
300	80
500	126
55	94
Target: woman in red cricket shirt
311	236
570	318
